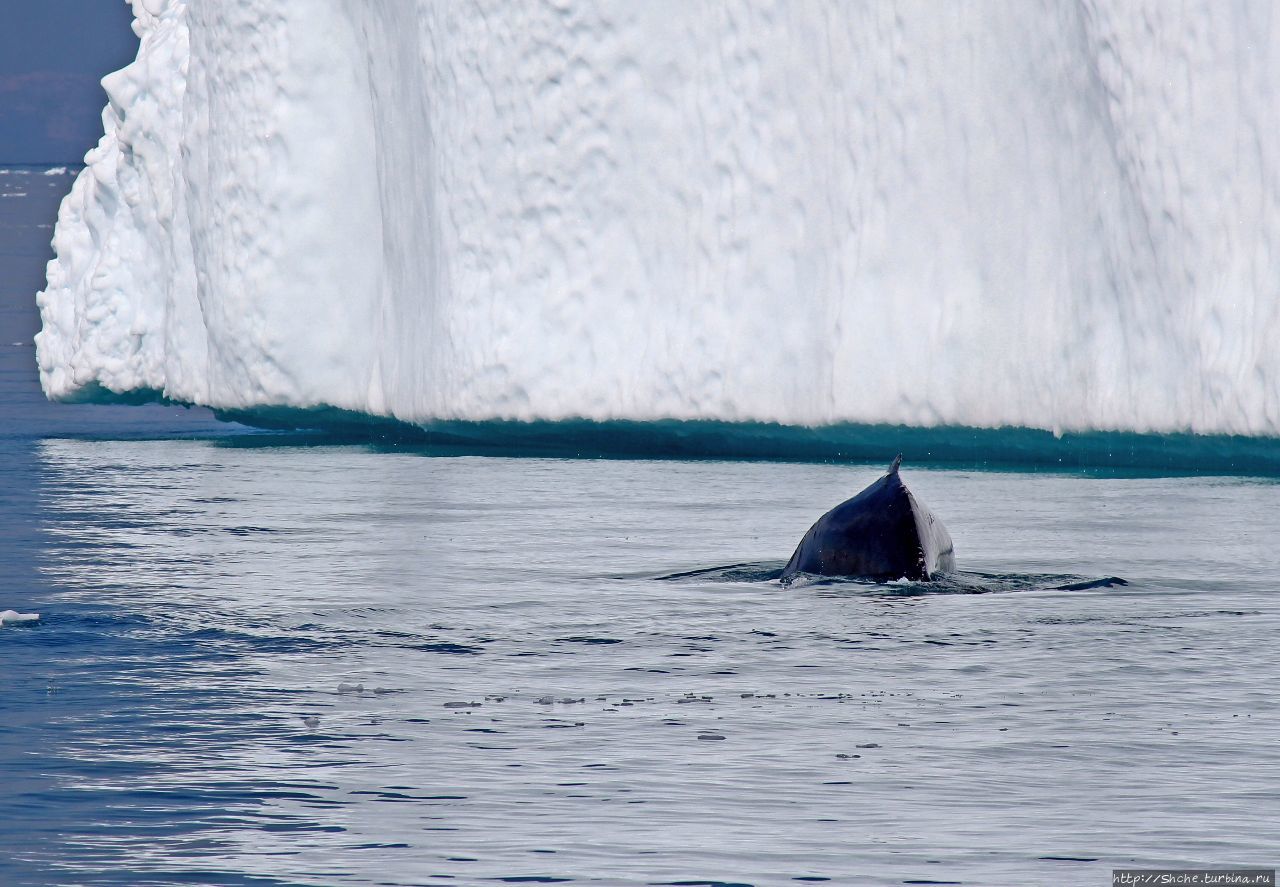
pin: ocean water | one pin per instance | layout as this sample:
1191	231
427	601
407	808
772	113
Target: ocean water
262	662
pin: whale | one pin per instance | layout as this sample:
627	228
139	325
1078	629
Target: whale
882	533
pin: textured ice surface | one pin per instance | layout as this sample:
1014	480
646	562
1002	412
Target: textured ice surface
1042	214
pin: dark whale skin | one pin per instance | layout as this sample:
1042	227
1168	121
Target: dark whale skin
884	532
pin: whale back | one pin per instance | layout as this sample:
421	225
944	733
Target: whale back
883	532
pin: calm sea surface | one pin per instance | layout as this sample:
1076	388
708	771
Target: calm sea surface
269	664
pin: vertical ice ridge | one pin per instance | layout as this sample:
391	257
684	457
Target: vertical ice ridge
118	308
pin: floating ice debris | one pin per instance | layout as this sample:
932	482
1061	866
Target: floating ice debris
462	705
356	689
56	171
13	617
546	700
311	723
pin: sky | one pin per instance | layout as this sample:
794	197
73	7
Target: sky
52	55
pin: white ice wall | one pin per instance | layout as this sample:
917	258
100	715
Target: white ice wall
1059	215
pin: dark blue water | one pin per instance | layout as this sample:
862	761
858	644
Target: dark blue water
262	662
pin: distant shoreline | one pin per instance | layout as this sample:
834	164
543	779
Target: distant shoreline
41	167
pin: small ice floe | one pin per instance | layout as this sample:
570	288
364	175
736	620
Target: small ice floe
352	689
310	722
13	617
56	171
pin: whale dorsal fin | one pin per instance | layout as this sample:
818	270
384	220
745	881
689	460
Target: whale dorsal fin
897	461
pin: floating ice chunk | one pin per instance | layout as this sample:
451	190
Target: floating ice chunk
13	617
56	171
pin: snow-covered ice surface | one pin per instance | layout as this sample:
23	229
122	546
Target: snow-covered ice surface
1049	215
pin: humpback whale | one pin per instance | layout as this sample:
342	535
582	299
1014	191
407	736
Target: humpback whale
884	532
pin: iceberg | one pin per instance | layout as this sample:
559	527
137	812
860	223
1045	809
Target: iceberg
1059	216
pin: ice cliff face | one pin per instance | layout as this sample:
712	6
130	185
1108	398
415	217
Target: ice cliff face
1057	215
